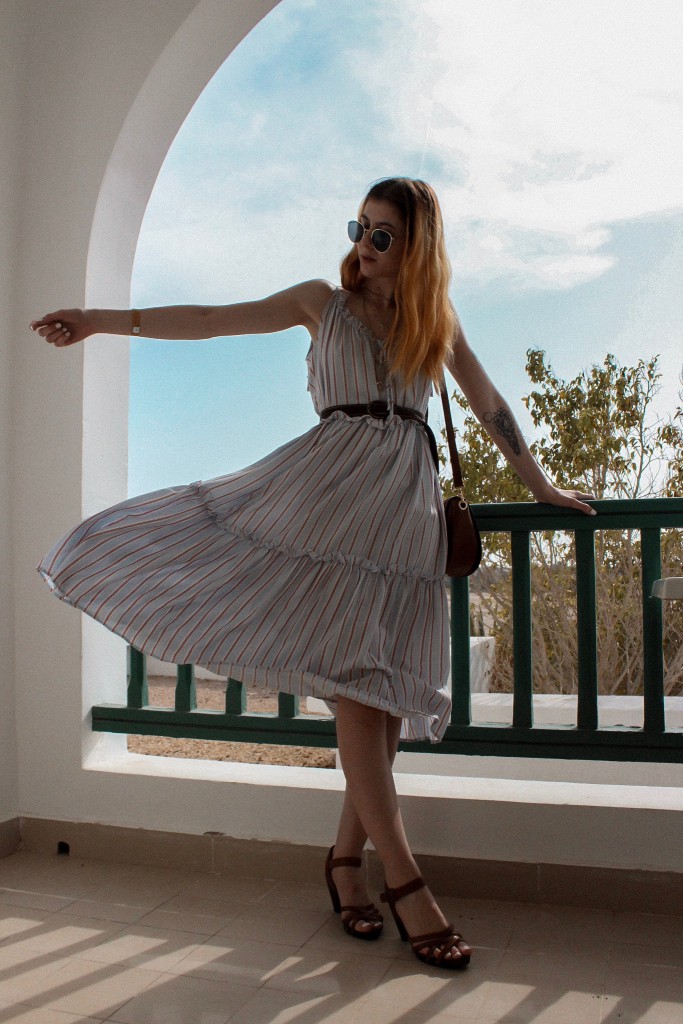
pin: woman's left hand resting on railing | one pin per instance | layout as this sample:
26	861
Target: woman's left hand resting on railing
567	498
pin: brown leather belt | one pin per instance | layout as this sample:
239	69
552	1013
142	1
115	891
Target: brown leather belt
379	410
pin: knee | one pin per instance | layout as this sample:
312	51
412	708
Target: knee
360	724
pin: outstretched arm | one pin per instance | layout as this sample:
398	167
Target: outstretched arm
300	305
493	412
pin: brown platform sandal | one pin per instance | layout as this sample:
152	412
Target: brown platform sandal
445	937
356	914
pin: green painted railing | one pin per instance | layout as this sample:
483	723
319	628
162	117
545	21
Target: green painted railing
584	740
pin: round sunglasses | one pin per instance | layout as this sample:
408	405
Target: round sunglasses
381	239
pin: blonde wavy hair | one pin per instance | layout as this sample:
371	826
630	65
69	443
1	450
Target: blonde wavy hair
425	324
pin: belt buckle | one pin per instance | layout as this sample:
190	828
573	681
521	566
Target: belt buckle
378	409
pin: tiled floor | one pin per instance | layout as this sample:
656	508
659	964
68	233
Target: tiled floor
88	941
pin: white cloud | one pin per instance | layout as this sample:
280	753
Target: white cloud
552	117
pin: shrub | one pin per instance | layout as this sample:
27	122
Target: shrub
597	432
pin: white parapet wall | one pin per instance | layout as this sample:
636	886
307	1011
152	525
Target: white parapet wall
601	825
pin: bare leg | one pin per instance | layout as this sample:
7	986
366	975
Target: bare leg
351	835
351	838
361	735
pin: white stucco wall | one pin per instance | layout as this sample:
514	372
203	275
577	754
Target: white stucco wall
101	89
94	92
13	28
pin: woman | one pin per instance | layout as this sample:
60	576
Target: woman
319	570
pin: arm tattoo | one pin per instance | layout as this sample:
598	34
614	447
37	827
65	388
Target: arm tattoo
505	425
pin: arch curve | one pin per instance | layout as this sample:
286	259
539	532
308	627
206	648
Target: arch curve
175	80
202	43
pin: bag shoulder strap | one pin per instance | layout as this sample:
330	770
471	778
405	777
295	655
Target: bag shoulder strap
450	436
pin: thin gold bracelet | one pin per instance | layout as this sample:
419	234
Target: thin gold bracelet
135	313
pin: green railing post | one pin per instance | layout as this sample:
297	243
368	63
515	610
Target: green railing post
461	711
522	701
587	630
653	654
287	705
138	696
185	690
235	698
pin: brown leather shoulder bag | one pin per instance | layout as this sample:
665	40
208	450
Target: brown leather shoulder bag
464	542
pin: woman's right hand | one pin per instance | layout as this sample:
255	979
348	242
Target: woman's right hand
64	327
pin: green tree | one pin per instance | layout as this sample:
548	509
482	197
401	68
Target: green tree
597	432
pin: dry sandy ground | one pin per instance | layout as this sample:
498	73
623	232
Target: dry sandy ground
211	694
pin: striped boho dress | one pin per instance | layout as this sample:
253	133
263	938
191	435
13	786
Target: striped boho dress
318	570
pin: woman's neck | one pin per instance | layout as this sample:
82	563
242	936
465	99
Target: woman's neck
379	292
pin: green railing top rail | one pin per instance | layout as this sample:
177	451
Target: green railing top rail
612	514
585	740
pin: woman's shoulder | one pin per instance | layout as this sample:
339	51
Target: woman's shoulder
315	294
315	297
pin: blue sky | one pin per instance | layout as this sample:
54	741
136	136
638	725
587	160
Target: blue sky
551	132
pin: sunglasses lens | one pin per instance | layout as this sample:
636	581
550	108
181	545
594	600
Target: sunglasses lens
355	230
381	240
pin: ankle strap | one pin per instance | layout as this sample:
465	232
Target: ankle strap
394	895
344	862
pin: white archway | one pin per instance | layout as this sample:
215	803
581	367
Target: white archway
174	82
